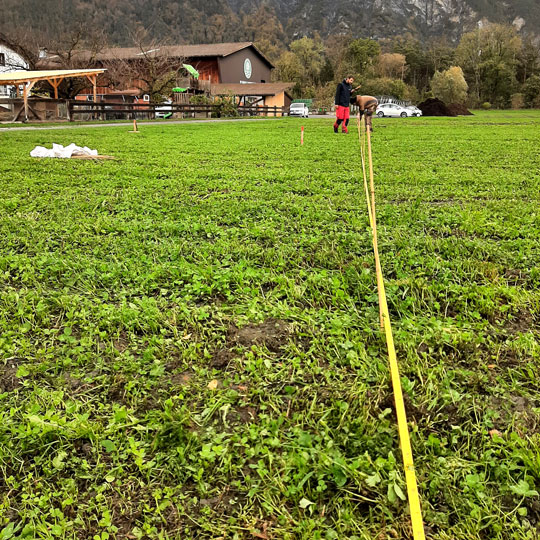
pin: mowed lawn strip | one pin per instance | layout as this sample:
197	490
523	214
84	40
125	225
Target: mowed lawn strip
189	339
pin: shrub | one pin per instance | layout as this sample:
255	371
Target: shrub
200	99
226	106
383	86
531	91
411	94
450	85
486	105
517	101
325	95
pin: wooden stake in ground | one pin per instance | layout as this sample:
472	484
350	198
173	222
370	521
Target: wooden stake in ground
135	130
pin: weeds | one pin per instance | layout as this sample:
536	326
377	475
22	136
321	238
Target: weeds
190	343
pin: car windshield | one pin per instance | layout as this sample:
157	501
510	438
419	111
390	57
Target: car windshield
297	106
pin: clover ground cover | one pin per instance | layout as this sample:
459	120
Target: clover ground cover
189	339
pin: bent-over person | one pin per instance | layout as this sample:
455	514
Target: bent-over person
367	105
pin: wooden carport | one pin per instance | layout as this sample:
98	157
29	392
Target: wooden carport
54	77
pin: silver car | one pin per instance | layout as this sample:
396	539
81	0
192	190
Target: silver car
393	110
415	110
299	109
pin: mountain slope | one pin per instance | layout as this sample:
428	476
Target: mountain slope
228	20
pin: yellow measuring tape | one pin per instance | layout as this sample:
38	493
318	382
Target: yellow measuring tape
404	437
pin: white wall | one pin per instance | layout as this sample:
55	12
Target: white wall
13	62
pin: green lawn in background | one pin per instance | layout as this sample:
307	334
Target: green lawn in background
189	343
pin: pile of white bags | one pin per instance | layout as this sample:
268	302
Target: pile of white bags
58	151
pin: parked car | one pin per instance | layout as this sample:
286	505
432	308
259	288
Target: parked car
299	109
393	110
415	110
164	110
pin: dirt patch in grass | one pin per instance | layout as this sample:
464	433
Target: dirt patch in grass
117	390
83	447
272	334
417	413
508	358
121	343
8	375
443	202
515	411
515	277
522	322
223	503
242	415
180	378
222	358
533	507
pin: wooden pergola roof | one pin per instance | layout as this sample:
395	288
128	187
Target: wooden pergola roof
54	77
21	77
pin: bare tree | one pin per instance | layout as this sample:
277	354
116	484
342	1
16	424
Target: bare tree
151	67
23	56
391	65
79	49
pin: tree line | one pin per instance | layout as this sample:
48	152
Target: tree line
492	67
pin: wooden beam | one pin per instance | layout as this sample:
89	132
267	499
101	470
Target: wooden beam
26	93
25	98
55	83
93	80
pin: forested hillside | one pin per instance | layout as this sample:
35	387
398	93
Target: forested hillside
230	20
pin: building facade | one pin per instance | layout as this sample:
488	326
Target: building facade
218	64
10	60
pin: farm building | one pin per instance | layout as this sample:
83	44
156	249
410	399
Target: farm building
218	64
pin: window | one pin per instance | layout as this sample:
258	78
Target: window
2	59
146	98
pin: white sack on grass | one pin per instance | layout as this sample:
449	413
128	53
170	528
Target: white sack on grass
58	151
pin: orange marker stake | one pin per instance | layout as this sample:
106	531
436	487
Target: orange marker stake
302	137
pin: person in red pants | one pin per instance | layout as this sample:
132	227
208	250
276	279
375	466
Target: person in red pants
342	102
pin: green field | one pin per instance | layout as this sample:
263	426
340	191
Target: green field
190	348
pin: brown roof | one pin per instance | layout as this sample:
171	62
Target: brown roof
255	89
181	51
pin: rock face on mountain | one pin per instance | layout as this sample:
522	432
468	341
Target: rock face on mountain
385	18
225	20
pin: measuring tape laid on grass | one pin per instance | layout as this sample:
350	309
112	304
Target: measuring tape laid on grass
404	437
